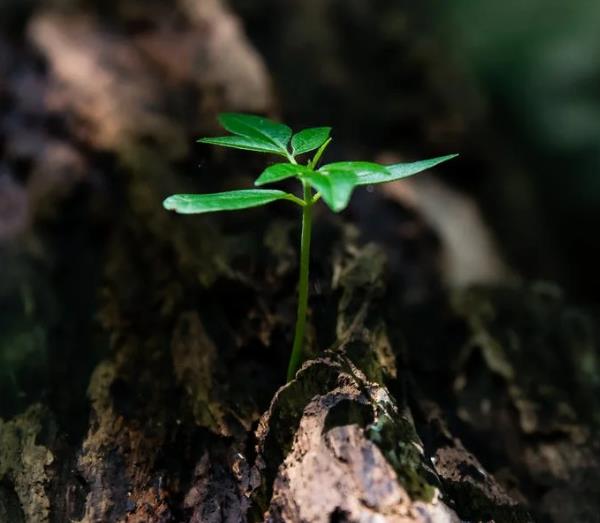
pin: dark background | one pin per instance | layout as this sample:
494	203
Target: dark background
88	256
513	86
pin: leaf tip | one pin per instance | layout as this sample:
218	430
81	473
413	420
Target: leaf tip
170	203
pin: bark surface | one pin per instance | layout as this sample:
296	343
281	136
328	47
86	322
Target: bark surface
144	354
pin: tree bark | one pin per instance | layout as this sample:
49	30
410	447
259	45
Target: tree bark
167	338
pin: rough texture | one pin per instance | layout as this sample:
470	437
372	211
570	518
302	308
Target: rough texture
143	354
338	465
23	468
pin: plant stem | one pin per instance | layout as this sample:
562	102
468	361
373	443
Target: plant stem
296	356
313	163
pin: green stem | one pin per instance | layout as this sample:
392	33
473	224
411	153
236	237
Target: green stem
296	356
296	200
313	163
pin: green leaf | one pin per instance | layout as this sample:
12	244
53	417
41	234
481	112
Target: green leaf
309	139
360	169
243	142
224	201
280	171
257	127
335	187
402	170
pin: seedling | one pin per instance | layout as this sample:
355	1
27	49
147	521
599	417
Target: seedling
333	182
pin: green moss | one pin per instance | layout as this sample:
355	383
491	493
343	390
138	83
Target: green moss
400	444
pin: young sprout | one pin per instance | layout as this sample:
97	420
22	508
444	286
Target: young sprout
333	182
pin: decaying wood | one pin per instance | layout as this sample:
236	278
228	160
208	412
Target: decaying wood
186	415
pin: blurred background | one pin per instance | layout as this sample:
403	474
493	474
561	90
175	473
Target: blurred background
101	103
513	86
536	66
